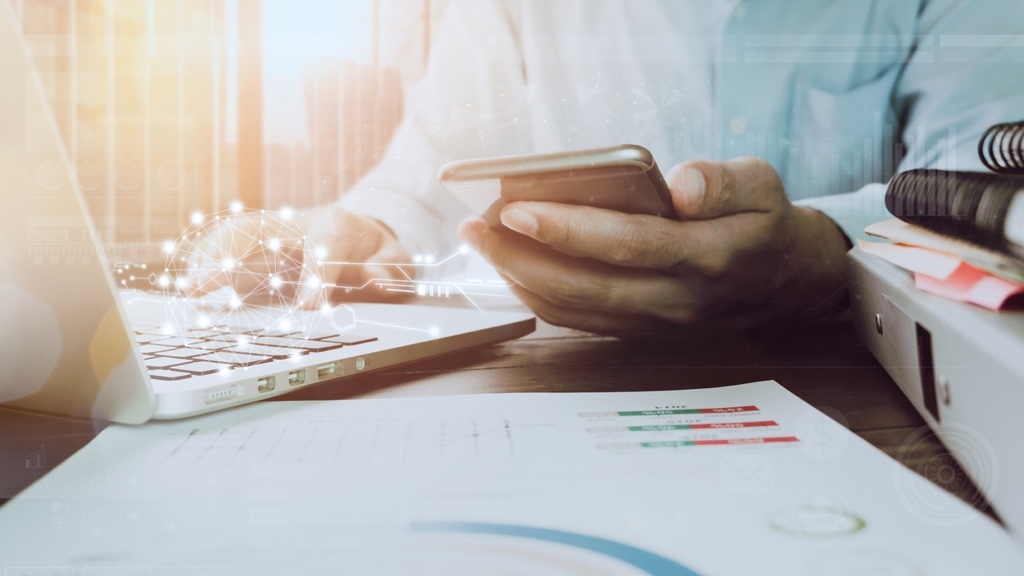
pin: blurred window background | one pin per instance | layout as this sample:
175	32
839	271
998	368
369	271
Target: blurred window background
172	107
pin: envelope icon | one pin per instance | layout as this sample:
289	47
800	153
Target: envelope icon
747	473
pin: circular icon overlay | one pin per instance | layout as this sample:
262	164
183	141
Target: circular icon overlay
253	272
49	176
129	176
821	515
90	175
929	501
820	437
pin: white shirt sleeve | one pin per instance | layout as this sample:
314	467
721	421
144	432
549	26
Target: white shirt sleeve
965	74
456	112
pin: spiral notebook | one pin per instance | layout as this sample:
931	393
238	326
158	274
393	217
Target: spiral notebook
984	209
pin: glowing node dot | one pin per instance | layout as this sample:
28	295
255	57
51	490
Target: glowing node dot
227	264
321	253
417	258
197	218
287	213
434	331
168	246
429	259
164	281
275	281
463	249
235	302
274	244
236	207
181	283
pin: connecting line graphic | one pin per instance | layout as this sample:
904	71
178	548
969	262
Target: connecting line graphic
255	271
421	287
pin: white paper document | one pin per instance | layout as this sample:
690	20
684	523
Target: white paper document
744	479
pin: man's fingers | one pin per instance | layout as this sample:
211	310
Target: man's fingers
706	247
579	283
703	190
606	235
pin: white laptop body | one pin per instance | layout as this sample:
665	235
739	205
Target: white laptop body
67	342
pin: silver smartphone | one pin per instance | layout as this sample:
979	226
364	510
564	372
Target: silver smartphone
623	178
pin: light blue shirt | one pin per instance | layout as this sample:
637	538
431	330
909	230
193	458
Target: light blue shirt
837	95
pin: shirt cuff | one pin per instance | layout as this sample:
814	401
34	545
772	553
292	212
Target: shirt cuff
854	211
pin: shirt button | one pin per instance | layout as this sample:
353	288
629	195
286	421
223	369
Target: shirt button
739	11
738	125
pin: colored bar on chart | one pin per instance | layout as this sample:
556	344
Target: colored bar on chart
718	442
673	412
709	426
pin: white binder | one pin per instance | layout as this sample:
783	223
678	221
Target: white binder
961	366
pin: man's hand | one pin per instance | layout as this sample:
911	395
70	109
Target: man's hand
250	254
740	251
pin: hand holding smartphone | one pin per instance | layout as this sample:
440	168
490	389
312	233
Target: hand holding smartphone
623	178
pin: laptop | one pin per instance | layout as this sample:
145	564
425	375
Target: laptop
73	342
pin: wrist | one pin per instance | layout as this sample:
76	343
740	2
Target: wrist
817	257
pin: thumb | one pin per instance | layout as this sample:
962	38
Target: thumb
704	190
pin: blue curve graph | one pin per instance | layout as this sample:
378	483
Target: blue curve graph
653	564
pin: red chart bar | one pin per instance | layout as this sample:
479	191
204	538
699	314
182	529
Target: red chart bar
759	424
776	439
729	410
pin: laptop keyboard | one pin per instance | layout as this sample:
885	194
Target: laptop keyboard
210	350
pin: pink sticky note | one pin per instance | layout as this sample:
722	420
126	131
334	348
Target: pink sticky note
968	284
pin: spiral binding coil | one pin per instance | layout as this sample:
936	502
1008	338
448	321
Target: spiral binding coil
1001	148
969	205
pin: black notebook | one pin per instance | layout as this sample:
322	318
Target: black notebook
984	208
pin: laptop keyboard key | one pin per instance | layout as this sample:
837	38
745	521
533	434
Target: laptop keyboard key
231	338
351	338
168	375
201	368
310	345
275	332
204	332
238	359
154	349
211	346
177	342
158	363
273	351
183	353
318	333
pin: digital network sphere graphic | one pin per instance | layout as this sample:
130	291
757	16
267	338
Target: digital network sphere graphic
253	270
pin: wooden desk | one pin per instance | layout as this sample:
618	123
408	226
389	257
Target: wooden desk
825	365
